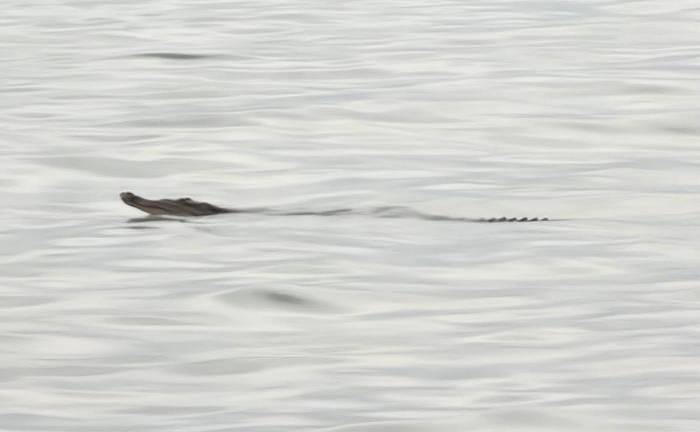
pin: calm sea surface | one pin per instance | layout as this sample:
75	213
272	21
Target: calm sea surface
582	111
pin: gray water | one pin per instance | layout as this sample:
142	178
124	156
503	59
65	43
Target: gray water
581	111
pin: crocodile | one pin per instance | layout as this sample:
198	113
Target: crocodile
190	207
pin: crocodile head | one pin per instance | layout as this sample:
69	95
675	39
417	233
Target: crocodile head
176	207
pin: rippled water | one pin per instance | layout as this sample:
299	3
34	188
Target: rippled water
581	111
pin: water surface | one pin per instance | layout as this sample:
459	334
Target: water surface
582	111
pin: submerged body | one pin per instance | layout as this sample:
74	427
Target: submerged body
190	207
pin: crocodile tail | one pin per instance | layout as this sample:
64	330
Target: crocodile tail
505	219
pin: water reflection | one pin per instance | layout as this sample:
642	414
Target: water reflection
174	56
152	218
